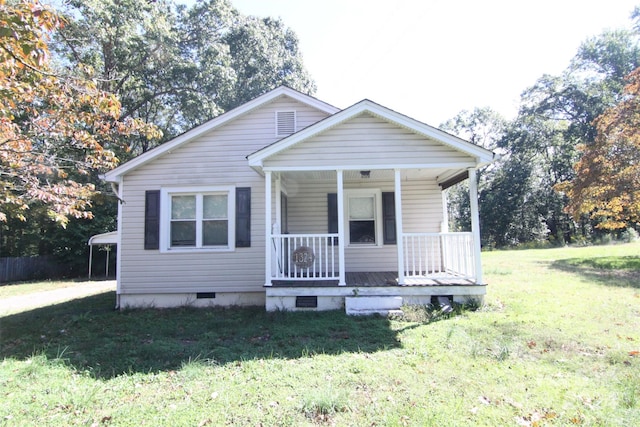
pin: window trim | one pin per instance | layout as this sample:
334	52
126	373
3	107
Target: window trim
378	218
166	194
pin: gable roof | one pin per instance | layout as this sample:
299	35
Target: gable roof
115	174
483	155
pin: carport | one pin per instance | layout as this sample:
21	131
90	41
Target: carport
106	240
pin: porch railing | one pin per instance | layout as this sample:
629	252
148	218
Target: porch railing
438	255
305	256
426	255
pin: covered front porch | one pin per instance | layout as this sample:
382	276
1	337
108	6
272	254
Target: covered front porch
357	204
306	269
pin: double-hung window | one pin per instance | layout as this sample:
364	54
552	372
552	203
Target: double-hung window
363	212
198	218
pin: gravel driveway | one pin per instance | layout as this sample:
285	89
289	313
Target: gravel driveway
40	299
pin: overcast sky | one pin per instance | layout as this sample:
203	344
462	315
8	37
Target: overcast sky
430	59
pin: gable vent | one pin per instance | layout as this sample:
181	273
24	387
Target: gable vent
285	123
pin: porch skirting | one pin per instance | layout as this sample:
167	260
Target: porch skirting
327	295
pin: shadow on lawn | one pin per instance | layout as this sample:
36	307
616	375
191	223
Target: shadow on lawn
91	336
621	271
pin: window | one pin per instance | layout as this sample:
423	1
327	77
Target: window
183	221
198	218
363	212
285	123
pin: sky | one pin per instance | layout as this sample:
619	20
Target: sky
431	59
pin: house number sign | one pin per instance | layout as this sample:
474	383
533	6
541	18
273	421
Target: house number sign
303	257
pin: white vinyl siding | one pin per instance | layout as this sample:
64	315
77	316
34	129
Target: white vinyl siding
215	159
367	140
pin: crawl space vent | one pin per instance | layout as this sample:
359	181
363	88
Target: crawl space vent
307	302
205	295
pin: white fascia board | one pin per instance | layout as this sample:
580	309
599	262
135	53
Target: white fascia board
483	155
113	175
391	166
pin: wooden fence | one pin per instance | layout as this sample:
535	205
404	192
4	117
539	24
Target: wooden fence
30	268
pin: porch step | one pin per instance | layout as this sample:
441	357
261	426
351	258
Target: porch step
382	305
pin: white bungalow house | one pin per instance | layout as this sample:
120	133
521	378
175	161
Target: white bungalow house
291	203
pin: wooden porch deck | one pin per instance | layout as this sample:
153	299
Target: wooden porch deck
377	279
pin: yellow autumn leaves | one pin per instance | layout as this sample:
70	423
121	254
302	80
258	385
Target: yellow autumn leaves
607	183
55	129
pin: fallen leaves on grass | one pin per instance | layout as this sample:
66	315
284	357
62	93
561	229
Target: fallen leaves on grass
577	420
536	418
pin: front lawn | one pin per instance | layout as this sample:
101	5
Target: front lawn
558	343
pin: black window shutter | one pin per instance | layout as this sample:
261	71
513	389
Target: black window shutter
152	219
243	217
389	218
332	211
332	203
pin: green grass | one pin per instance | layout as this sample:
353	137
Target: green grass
558	343
607	262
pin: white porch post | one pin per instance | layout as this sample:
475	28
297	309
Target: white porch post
341	233
90	257
444	227
399	232
267	226
278	202
475	223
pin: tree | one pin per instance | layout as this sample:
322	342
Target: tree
592	83
483	127
177	66
518	202
264	55
55	130
167	64
557	115
509	210
607	181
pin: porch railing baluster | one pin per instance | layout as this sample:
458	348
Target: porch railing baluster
438	255
324	265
